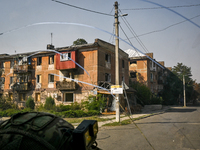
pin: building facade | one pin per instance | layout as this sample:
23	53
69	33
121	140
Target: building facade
48	73
151	73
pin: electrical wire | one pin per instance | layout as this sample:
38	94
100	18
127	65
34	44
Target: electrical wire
134	34
82	8
162	7
165	27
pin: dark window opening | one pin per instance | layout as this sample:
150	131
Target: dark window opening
39	61
122	63
68	97
133	74
133	62
108	58
51	59
38	79
51	78
107	77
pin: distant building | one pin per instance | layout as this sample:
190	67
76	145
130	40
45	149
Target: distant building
144	70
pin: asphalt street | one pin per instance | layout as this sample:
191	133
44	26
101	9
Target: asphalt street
176	129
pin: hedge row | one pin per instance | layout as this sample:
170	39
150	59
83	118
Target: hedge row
64	114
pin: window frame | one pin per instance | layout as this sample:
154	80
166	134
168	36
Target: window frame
51	78
51	62
65	56
39	61
108	58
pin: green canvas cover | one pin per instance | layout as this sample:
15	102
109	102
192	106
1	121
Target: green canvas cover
35	131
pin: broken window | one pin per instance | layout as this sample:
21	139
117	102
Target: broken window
133	62
51	78
38	79
51	59
68	97
11	80
11	64
65	56
39	61
108	58
151	76
133	74
37	97
22	96
2	64
108	77
122	63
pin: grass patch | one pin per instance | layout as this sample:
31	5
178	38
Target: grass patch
79	120
127	121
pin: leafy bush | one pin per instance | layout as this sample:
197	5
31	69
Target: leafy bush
75	106
95	103
156	100
143	93
30	103
49	103
5	103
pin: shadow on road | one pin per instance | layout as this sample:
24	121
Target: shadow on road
181	110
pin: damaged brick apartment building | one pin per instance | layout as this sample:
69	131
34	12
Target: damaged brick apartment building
142	69
41	75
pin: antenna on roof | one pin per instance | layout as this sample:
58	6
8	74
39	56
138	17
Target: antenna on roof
51	38
51	46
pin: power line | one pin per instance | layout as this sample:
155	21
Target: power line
161	7
134	34
82	8
164	28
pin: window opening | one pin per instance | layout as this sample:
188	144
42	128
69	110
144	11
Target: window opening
133	74
51	78
107	77
68	97
39	61
108	58
65	57
122	63
51	59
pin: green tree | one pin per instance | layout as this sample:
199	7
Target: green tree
30	103
173	87
49	103
80	42
143	93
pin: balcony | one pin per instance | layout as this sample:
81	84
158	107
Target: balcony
64	85
25	86
21	68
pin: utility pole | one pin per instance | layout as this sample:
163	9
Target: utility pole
117	61
184	91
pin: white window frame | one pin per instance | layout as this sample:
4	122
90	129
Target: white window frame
65	56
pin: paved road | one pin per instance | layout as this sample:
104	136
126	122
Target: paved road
176	129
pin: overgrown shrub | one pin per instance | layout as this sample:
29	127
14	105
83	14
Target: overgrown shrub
95	103
5	103
49	103
30	103
156	100
143	93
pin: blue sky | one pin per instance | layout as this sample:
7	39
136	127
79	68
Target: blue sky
173	44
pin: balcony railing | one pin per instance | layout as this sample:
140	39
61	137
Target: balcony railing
64	85
21	68
25	86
